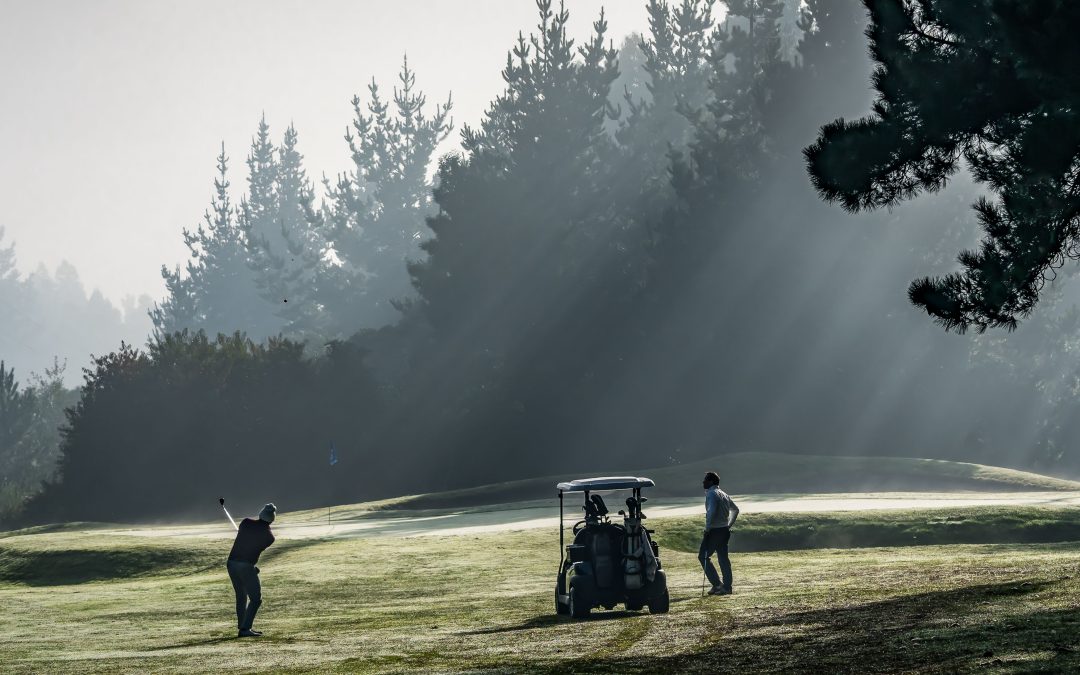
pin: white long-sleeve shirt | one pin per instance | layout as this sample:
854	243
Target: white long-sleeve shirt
720	509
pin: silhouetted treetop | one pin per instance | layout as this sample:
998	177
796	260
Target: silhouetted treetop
991	82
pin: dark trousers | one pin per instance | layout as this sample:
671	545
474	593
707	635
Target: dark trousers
716	541
245	583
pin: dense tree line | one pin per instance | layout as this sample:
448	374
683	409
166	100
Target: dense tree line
49	326
162	432
624	265
49	315
30	421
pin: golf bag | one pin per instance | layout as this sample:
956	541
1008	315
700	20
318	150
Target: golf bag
639	561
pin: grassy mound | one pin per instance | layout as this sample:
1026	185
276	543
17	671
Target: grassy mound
767	473
57	560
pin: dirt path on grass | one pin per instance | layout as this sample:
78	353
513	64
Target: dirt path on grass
354	521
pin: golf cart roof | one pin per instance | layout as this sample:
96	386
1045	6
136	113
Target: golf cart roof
605	483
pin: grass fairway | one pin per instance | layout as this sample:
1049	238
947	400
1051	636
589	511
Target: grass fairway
76	602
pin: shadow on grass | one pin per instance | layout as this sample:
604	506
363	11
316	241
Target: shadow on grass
541	621
547	620
193	643
945	631
231	637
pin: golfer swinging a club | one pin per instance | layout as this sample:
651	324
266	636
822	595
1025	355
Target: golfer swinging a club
720	515
252	538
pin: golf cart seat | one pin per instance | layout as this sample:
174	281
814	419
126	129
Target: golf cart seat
603	544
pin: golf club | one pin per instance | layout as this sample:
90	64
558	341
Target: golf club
221	500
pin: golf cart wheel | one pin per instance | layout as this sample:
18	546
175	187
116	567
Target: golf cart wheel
659	605
560	608
578	609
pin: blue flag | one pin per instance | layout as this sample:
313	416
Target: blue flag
333	454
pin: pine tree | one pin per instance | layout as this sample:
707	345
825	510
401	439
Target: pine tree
177	310
15	307
285	248
16	410
524	282
992	83
258	208
18	417
8	272
258	218
218	293
831	57
746	62
658	127
525	188
717	182
30	438
375	215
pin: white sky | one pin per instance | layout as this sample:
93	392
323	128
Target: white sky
113	111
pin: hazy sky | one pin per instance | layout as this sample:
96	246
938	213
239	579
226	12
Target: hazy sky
113	111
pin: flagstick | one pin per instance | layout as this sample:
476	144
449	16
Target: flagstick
333	461
328	507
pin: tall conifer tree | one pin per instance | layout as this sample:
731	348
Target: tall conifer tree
523	273
285	248
218	293
375	214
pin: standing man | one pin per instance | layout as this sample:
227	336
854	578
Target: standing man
720	515
252	538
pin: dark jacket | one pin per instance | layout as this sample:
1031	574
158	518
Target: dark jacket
252	538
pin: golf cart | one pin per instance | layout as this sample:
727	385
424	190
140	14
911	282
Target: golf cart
609	563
